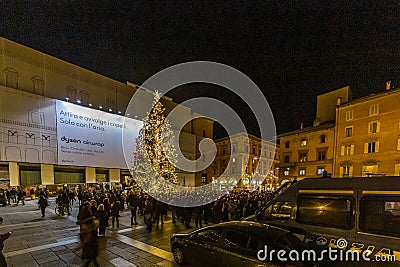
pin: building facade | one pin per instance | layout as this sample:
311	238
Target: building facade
368	136
33	85
244	161
363	140
309	151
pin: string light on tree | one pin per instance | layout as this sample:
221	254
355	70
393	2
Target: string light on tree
155	155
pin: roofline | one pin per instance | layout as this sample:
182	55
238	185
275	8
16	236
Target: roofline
309	129
370	97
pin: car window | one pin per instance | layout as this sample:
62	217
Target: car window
236	241
279	210
208	236
254	246
329	211
380	215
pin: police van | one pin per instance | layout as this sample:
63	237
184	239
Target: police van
361	214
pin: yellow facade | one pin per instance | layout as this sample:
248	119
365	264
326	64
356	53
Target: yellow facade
307	152
368	134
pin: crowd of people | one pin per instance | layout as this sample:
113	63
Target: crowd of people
12	196
106	204
100	208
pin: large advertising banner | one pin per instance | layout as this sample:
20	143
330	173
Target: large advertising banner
27	127
88	137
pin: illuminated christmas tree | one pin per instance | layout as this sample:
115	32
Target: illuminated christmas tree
155	154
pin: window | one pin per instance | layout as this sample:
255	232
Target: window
110	103
204	158
320	171
287	144
223	151
236	241
286	173
11	77
374	109
371	147
234	149
208	236
369	170
247	149
302	172
349	115
84	97
204	178
204	133
233	169
347	150
348	131
321	154
71	94
37	85
303	156
322	139
374	127
279	210
336	212
254	150
286	158
303	142
380	215
397	169
346	171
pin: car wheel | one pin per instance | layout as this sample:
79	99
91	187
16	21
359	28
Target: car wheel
179	257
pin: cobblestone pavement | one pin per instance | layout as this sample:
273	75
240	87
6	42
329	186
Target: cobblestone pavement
53	240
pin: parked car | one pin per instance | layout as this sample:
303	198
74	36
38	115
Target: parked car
234	244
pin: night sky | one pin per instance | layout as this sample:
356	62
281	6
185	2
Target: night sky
293	50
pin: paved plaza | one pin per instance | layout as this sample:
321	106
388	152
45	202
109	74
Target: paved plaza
53	240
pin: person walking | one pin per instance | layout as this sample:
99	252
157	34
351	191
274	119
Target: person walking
133	203
20	197
198	216
3	237
161	211
64	200
84	212
147	210
89	242
103	217
115	208
43	203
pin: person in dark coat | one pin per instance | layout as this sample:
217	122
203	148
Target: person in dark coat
133	203
103	217
89	242
147	210
3	237
43	203
84	212
115	208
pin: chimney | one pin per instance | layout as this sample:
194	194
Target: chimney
338	101
388	85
